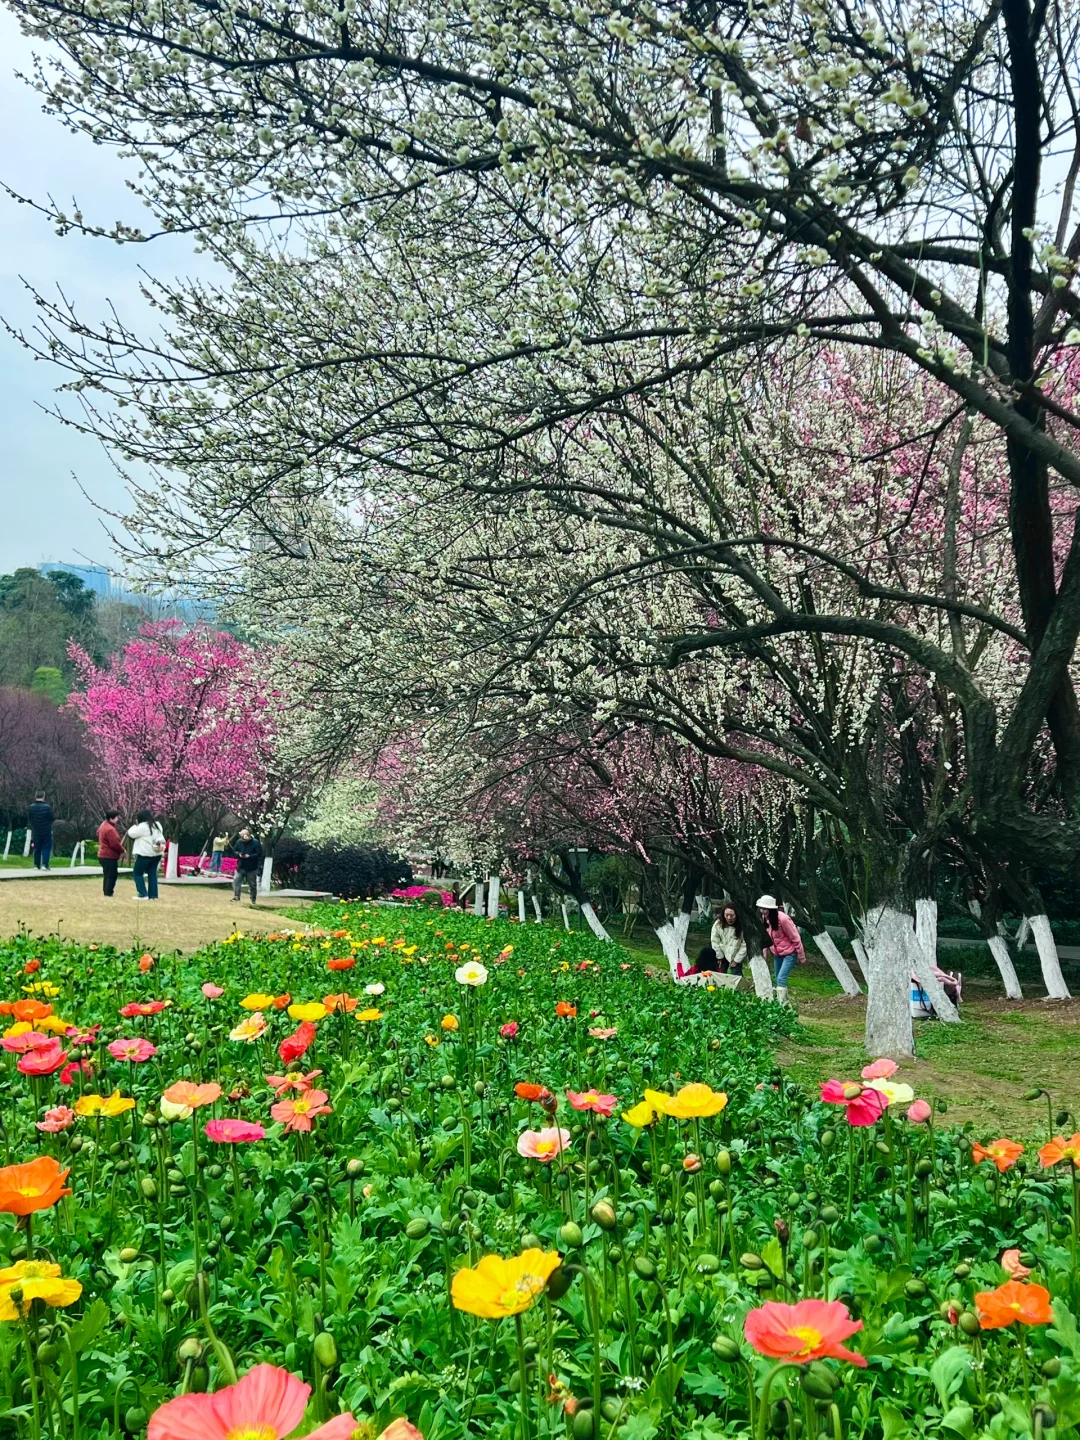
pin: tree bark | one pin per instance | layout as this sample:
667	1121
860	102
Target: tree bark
478	898
890	941
839	966
858	949
999	948
593	921
1056	989
759	969
925	957
494	884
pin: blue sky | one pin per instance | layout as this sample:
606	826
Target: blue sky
42	463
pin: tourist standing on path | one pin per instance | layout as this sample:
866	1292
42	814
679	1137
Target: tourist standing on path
217	852
110	848
785	944
249	854
41	823
148	843
727	940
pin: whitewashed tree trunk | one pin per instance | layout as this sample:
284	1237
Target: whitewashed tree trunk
924	957
594	922
1056	989
672	945
999	948
74	856
759	969
26	845
681	923
839	966
478	898
565	916
976	908
858	949
493	887
889	946
1023	933
7	845
702	906
172	860
267	875
521	907
537	911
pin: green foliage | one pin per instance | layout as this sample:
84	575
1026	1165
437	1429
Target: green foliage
49	681
39	616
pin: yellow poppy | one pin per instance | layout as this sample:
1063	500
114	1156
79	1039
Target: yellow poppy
53	1023
21	1027
38	1280
450	1022
256	1002
432	1040
500	1287
692	1102
368	1015
107	1106
641	1115
309	1010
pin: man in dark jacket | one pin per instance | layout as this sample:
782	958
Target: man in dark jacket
249	854
41	823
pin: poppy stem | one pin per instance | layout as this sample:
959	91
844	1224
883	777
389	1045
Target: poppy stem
766	1388
523	1377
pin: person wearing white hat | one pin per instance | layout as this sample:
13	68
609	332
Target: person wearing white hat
785	944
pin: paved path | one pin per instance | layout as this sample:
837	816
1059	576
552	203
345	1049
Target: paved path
75	872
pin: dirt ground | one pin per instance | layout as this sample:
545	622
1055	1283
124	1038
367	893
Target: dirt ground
981	1068
183	918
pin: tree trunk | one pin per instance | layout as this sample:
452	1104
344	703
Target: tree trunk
594	922
999	948
1023	933
537	911
172	860
759	969
1056	989
267	875
478	898
565	916
858	949
890	942
839	966
493	897
925	957
521	907
672	946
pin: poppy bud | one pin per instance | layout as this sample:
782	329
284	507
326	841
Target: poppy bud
1032	1094
326	1352
827	1139
559	1281
189	1349
1052	1368
852	1091
129	1254
783	1230
725	1349
723	1162
691	1164
571	1235
829	1215
354	1169
603	1212
969	1323
644	1267
1045	1415
750	1261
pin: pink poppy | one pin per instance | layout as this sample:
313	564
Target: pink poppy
267	1402
43	1061
543	1145
75	1036
919	1112
143	1007
601	1033
1011	1264
293	1081
298	1114
28	1040
59	1118
134	1051
864	1106
509	1030
212	992
880	1070
73	1068
233	1132
592	1101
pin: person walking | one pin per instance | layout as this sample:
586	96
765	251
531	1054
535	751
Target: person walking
785	944
110	848
147	845
249	854
217	853
727	940
41	830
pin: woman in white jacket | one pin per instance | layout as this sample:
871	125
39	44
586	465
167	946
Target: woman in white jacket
728	941
147	843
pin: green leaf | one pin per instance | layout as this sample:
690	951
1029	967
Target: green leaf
180	1274
1018	1415
773	1255
1064	1330
960	1420
86	1330
948	1372
639	1427
893	1423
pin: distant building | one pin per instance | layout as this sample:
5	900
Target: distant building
107	587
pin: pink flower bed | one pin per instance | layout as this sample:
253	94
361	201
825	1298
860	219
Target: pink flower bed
195	862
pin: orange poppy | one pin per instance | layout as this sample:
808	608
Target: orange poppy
565	1010
1058	1149
30	1010
35	1185
184	1092
525	1091
344	962
281	1002
1004	1153
340	1002
1014	1301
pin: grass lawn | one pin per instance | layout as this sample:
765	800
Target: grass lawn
183	918
980	1068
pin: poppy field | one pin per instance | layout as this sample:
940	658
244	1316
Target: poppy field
409	1171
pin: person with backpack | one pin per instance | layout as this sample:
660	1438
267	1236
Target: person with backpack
41	830
784	944
147	845
110	849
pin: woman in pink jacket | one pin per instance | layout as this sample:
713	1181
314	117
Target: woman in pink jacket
785	944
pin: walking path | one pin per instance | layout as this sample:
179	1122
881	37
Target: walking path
76	872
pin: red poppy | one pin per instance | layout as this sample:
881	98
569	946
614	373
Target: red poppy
296	1044
810	1330
344	962
144	1007
31	967
73	1068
